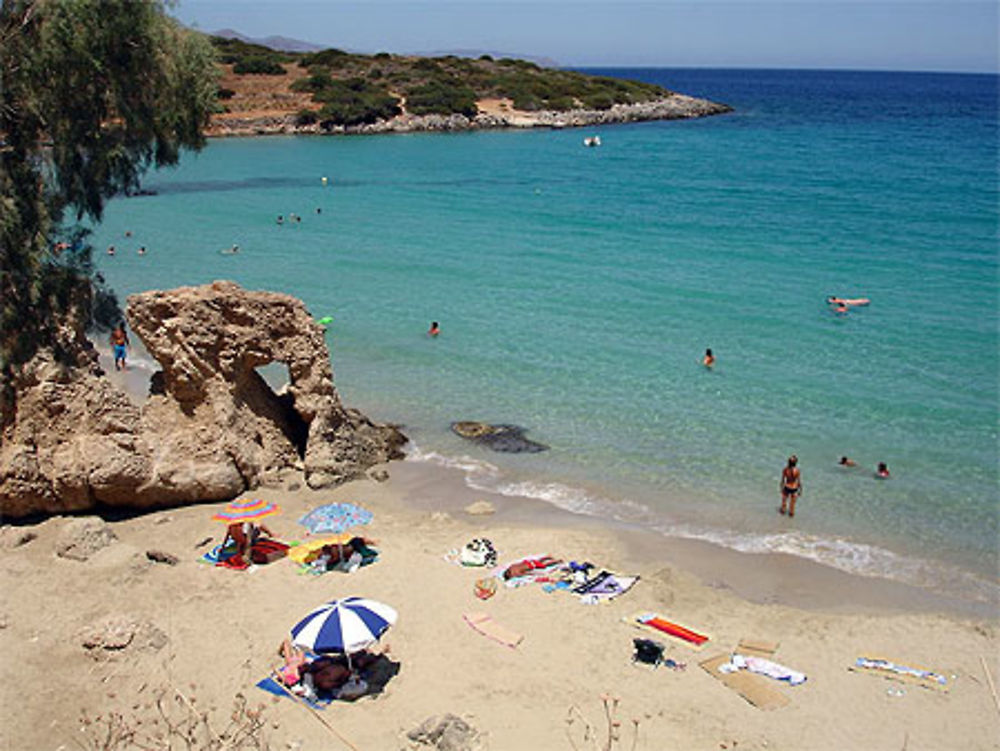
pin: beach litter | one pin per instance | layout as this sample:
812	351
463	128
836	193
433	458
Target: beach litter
335	517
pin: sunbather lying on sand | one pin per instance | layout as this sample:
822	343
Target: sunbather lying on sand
323	677
330	556
525	567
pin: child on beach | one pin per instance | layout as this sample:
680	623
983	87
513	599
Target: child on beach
119	343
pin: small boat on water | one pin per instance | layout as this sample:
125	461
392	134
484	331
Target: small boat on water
592	141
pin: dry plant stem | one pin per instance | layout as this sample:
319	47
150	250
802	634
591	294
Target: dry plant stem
989	679
635	733
587	729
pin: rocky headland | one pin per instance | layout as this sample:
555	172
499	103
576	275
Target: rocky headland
211	428
491	116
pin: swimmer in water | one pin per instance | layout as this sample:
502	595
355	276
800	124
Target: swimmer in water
434	330
709	360
280	219
882	472
142	250
111	250
319	210
845	462
128	233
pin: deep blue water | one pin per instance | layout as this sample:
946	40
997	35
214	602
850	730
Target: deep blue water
578	288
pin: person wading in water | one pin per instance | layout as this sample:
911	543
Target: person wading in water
791	486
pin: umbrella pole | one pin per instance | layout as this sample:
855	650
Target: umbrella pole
315	714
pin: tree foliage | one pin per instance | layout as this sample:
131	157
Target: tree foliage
92	93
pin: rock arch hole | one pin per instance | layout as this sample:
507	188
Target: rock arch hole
276	381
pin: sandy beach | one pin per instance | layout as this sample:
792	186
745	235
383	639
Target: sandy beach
203	635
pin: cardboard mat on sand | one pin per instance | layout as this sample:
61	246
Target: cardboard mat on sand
754	688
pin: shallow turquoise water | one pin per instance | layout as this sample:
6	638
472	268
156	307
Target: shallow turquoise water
578	288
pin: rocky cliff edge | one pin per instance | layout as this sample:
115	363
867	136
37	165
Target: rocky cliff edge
211	428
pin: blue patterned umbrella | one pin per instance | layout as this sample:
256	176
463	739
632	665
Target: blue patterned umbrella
335	517
344	626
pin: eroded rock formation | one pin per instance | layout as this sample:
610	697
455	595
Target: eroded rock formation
211	428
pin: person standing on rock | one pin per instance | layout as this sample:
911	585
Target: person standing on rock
119	343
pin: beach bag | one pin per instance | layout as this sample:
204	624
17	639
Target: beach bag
647	651
478	552
267	551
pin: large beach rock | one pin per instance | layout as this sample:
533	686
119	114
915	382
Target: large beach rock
506	438
211	427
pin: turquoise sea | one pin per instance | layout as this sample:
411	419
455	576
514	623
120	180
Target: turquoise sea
577	290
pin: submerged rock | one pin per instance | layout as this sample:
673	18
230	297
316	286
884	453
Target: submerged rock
211	428
506	438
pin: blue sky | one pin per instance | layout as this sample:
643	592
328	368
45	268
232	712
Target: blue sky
955	35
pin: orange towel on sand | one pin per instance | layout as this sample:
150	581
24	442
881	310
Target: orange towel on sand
661	624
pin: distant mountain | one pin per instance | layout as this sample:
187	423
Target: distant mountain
280	43
545	62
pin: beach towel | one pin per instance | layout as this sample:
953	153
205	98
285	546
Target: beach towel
273	686
765	667
657	624
754	689
302	552
485	625
539	572
306	553
226	557
605	586
902	673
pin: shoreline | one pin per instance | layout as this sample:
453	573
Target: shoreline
498	117
758	578
771	577
216	632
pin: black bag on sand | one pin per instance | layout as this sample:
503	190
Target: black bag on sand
648	652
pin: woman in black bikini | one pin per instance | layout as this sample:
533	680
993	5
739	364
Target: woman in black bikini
791	486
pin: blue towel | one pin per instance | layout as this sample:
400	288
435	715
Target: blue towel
273	687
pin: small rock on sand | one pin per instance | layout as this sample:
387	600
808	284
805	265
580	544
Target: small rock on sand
81	538
480	508
158	556
118	632
446	733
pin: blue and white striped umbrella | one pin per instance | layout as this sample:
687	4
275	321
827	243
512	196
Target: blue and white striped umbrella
347	625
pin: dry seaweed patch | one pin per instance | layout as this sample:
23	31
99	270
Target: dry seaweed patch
169	721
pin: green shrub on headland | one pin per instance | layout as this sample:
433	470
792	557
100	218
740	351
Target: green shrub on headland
355	102
354	89
259	66
249	58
